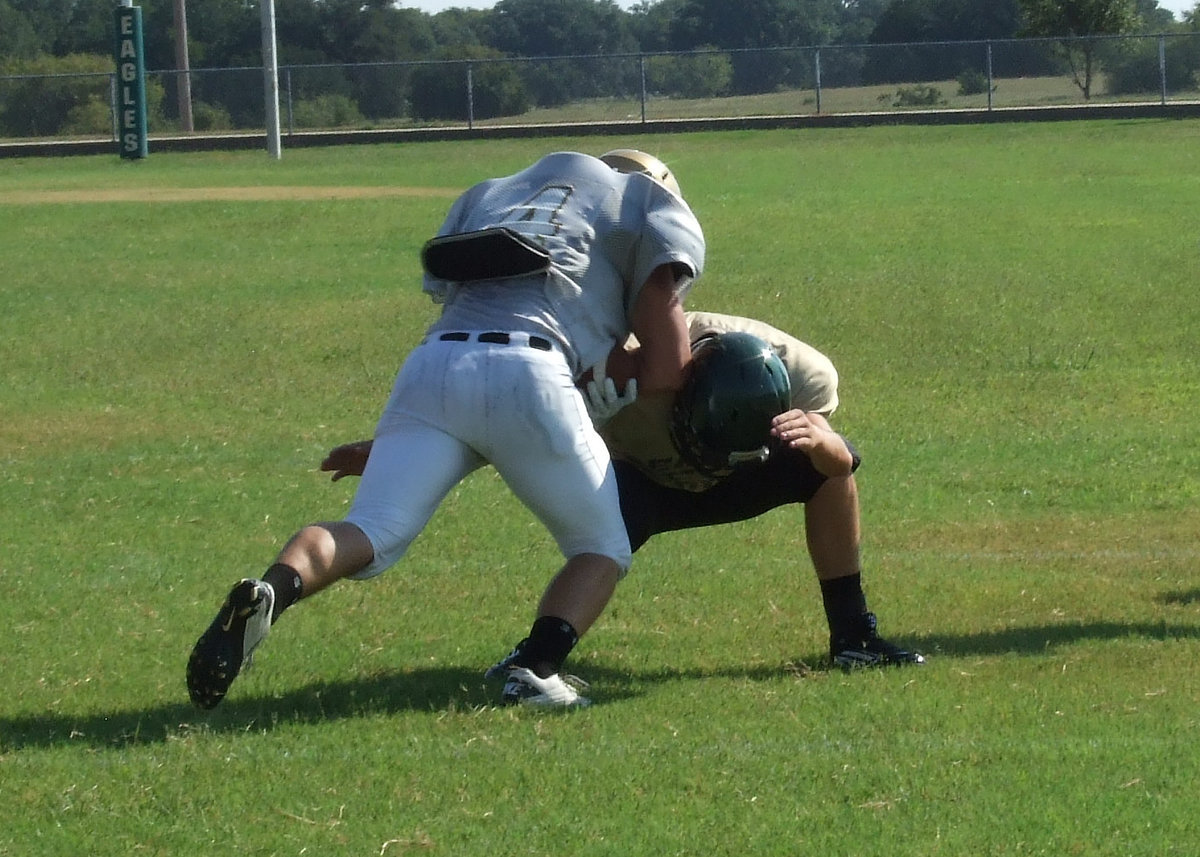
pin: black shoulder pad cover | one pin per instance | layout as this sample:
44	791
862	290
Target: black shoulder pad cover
487	254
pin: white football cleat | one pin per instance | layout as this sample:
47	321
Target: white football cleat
524	687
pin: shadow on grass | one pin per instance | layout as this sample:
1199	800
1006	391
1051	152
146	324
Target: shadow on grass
440	690
437	689
1178	597
1032	640
462	689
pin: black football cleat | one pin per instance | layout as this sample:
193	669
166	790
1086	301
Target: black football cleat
866	648
226	648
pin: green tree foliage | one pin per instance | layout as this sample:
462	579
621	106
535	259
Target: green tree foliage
750	24
221	33
441	93
585	28
225	33
651	22
757	24
1074	23
1152	18
376	31
540	28
703	74
47	19
908	27
18	39
1137	70
369	53
208	117
462	27
40	106
327	111
857	19
57	96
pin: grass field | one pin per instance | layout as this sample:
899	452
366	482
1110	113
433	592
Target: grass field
1013	312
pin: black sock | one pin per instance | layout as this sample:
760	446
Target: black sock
845	605
549	642
288	587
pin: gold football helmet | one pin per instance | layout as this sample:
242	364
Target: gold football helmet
634	161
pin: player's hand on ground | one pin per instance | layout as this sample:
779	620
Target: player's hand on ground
349	459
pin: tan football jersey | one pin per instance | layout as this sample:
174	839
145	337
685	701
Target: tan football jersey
640	433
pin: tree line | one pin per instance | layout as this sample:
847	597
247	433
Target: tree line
45	37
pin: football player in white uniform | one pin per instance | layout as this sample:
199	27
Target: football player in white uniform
769	414
538	274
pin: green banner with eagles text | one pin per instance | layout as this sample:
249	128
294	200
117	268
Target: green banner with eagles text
131	83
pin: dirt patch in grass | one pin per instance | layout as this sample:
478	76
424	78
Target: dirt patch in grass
217	194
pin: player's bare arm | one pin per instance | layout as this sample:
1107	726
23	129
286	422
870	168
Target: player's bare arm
811	434
660	326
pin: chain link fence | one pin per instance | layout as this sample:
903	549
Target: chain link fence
632	88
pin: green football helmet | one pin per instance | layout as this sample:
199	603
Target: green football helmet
722	416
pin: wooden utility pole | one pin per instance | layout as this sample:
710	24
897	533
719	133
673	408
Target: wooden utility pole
184	78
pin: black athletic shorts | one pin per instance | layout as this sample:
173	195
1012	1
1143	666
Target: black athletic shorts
649	508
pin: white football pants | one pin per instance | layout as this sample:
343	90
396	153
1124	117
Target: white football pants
457	406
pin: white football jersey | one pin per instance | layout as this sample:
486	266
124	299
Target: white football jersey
605	233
